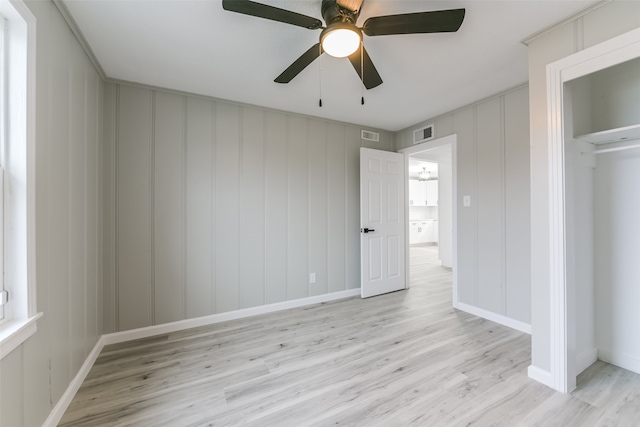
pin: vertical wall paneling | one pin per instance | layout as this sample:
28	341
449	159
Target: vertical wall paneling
91	195
100	206
229	206
490	206
352	231
199	292
607	22
36	377
517	205
545	50
253	211
467	249
77	227
444	126
68	167
168	170
12	389
336	206
227	169
317	167
214	204
109	132
133	214
298	232
58	202
493	244
276	182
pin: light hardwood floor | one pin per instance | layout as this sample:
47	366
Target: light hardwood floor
401	359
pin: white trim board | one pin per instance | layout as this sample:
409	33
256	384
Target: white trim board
14	333
604	55
494	317
539	375
586	359
527	41
58	411
419	148
180	325
622	360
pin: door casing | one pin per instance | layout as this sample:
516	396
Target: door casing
418	148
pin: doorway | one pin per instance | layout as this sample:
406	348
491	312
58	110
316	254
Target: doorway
563	303
431	218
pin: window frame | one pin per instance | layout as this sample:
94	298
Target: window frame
21	313
3	136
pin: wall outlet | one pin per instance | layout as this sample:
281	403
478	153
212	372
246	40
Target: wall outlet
312	278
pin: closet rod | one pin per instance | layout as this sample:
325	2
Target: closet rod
609	150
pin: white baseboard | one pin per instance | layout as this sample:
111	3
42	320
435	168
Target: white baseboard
58	411
540	375
586	359
494	317
626	361
180	325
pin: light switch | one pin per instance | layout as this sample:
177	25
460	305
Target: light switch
466	201
312	278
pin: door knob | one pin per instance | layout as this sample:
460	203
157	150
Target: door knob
366	230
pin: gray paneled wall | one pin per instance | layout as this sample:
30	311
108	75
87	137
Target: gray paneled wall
68	222
493	233
213	206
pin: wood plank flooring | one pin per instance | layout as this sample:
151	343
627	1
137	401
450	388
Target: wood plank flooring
402	359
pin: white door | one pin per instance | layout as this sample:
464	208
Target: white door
382	228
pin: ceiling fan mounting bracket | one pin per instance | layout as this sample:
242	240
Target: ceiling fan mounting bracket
333	13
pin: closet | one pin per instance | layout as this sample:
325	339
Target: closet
602	181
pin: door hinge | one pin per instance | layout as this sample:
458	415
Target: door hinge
4	297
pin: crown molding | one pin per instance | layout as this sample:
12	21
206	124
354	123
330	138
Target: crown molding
64	11
526	41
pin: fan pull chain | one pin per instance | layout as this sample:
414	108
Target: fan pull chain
362	71
320	78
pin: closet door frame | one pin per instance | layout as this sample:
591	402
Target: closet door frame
562	330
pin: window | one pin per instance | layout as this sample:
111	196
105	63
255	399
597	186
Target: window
17	158
4	295
3	103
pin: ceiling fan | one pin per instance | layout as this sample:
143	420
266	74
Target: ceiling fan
342	38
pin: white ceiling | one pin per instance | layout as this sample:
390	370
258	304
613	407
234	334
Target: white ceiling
195	46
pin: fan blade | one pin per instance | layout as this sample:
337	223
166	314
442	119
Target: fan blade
439	21
352	5
269	12
300	64
371	76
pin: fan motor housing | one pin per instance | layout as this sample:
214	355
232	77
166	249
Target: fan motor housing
332	13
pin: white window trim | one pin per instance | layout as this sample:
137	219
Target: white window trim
22	324
2	297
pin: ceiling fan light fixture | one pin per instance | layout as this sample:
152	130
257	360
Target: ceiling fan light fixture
340	41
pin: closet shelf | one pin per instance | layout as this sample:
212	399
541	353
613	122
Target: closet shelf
627	133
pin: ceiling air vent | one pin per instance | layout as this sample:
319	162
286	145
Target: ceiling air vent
368	135
423	134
